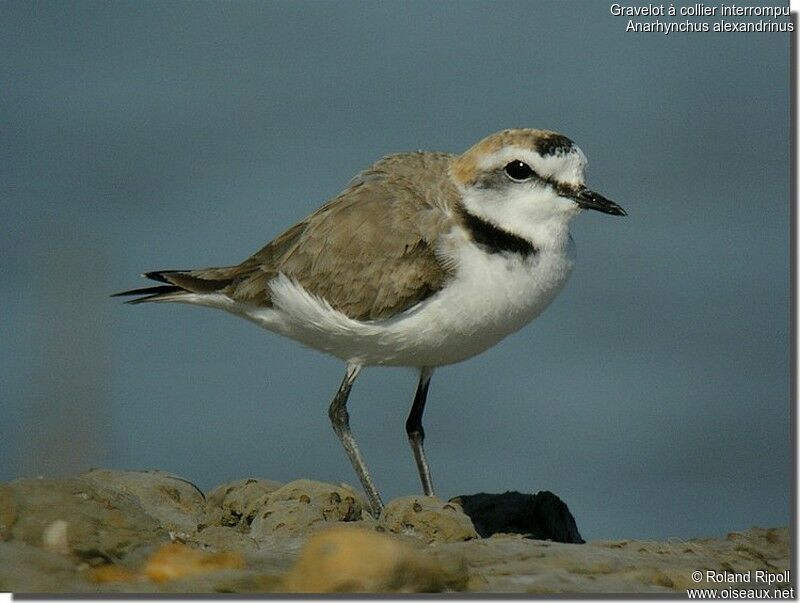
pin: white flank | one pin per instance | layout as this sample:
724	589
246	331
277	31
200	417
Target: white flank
490	297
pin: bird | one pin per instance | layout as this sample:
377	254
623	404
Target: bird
425	259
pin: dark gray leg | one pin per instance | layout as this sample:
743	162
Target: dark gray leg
416	434
340	420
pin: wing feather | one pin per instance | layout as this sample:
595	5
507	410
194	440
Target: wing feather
371	251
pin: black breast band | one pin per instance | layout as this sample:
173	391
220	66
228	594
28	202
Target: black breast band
494	239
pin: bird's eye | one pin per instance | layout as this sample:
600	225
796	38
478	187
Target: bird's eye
518	170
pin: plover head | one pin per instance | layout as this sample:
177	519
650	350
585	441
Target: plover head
522	178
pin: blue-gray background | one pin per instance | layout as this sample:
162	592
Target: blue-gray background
653	396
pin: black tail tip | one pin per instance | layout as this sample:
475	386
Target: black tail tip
149	293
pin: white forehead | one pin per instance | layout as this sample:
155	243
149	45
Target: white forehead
565	168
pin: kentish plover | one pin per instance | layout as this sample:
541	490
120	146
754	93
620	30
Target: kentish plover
426	259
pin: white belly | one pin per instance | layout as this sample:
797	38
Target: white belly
490	297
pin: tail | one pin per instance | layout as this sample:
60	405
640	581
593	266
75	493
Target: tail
179	284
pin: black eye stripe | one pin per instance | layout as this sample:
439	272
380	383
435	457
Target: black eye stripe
516	168
500	177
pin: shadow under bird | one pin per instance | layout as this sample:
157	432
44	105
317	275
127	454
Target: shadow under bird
425	259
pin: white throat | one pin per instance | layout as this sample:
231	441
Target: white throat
537	215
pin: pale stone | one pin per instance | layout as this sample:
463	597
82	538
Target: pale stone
354	560
218	538
236	503
304	505
428	518
54	537
100	525
176	503
174	560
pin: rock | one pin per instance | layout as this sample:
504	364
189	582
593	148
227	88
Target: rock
176	503
105	533
29	569
236	503
181	569
428	518
54	537
304	505
110	573
224	581
217	538
337	503
542	516
285	519
511	563
174	560
73	517
354	560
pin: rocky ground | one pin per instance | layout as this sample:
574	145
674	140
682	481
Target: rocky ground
150	532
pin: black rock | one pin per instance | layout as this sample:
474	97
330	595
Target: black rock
541	516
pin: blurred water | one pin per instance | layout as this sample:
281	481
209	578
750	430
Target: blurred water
653	396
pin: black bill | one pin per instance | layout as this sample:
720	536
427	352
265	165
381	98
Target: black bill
590	200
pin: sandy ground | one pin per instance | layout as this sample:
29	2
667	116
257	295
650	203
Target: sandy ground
145	532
